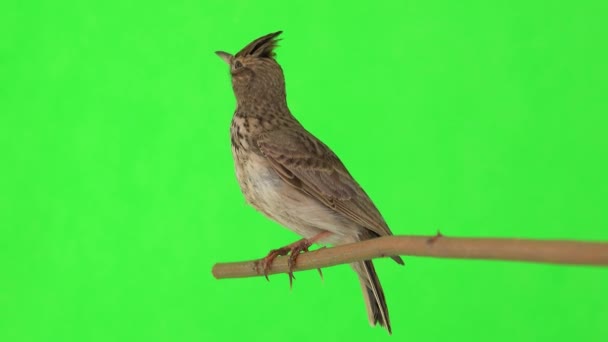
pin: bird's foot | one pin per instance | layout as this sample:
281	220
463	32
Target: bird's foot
267	261
293	250
296	248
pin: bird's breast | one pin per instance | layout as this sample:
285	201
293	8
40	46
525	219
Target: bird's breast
266	191
259	182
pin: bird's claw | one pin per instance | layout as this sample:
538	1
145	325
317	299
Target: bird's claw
267	261
293	251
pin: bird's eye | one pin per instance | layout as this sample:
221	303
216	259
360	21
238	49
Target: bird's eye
237	64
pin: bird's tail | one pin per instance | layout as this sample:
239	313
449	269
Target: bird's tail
373	294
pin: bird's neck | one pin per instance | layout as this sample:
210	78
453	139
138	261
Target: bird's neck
259	116
263	103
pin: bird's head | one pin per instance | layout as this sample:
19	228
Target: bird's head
256	75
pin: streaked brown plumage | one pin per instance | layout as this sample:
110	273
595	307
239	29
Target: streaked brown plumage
291	176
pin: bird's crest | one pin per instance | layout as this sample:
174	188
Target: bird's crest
262	47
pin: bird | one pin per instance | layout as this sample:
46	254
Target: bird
292	177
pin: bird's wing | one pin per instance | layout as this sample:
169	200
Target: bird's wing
309	165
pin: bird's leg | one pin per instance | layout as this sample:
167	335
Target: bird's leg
293	250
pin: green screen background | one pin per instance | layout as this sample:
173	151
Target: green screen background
117	189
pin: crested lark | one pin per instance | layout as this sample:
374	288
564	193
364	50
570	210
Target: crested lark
291	176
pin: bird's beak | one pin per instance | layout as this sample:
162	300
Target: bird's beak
225	56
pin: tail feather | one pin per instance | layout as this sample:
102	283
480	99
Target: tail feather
373	294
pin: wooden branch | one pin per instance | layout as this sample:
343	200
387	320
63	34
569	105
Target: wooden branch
542	251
